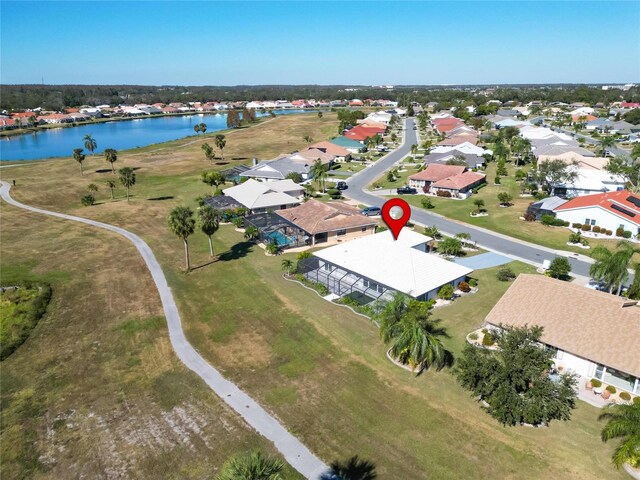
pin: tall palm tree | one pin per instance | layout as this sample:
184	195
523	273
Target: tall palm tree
221	142
182	223
111	185
89	143
209	221
127	178
606	143
319	173
111	156
623	423
79	157
392	314
287	265
352	469
252	466
610	267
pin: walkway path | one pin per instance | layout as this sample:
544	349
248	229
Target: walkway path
298	456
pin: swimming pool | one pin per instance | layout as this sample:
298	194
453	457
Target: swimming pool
280	238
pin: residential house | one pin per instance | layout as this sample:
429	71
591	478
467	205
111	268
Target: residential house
360	133
338	153
610	211
457	180
321	222
311	154
465	147
545	206
349	144
459	139
278	169
264	196
507	112
592	334
471	159
375	266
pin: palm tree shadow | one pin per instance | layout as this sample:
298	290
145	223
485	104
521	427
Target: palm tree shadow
193	269
352	469
237	251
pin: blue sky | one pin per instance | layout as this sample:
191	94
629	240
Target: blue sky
230	43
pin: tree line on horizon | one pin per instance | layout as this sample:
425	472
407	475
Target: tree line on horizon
58	97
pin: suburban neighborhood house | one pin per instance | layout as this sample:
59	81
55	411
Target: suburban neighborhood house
278	169
611	211
594	334
452	180
263	196
375	266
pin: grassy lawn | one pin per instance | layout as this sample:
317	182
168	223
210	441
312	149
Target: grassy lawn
403	179
317	366
505	220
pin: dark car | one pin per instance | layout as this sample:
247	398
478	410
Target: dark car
341	186
406	191
371	211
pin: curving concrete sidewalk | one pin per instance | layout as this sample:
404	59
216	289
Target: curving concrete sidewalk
298	456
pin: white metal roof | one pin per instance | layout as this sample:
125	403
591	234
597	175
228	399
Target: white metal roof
396	264
253	194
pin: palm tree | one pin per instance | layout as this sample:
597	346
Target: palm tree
287	265
414	148
479	203
413	337
221	143
111	185
352	469
319	173
89	143
623	423
309	191
209	221
208	152
308	139
251	233
79	157
252	466
181	223
432	232
111	155
500	151
610	267
93	188
606	143
127	178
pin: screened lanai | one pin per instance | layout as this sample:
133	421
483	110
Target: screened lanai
274	228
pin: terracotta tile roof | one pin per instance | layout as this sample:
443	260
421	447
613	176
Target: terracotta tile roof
317	217
583	118
611	202
591	324
360	132
458	182
435	172
23	115
459	139
331	149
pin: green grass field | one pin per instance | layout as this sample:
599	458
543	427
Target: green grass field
317	366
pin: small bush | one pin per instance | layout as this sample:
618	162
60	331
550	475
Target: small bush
565	223
626	396
529	217
473	282
488	340
473	336
576	225
238	221
497	180
484	330
333	191
464	287
586	228
626	234
596	383
575	237
636	400
540	195
611	389
609	233
446	292
596	229
88	200
547	219
559	223
427	203
505	274
619	231
443	193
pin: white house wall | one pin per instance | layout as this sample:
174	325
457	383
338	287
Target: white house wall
602	217
576	364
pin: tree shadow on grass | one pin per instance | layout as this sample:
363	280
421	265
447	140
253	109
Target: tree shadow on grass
166	197
104	170
352	469
239	250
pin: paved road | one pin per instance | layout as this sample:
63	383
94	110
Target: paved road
511	247
298	456
615	151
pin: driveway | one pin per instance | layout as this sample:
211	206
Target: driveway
298	456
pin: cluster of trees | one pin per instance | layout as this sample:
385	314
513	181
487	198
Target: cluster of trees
220	142
611	267
348	119
182	223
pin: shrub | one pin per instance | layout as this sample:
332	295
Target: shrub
443	193
540	195
473	282
584	242
446	292
238	221
609	232
636	400
488	339
626	396
464	287
559	223
586	228
473	336
427	203
575	237
549	220
505	274
559	268
88	200
497	180
596	229
626	234
565	223
484	330
333	192
619	231
611	389
576	225
529	217
596	383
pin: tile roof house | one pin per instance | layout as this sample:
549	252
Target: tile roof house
375	266
598	337
459	139
278	169
347	143
339	154
264	196
611	210
361	133
472	160
311	154
320	220
455	179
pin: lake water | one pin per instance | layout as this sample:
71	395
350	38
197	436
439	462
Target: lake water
121	135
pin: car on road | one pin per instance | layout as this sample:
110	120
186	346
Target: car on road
341	186
406	191
371	211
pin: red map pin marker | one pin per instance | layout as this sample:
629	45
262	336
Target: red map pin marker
396	224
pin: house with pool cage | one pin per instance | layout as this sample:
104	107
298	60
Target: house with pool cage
312	223
376	266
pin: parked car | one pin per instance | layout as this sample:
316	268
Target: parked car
406	191
371	211
341	186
